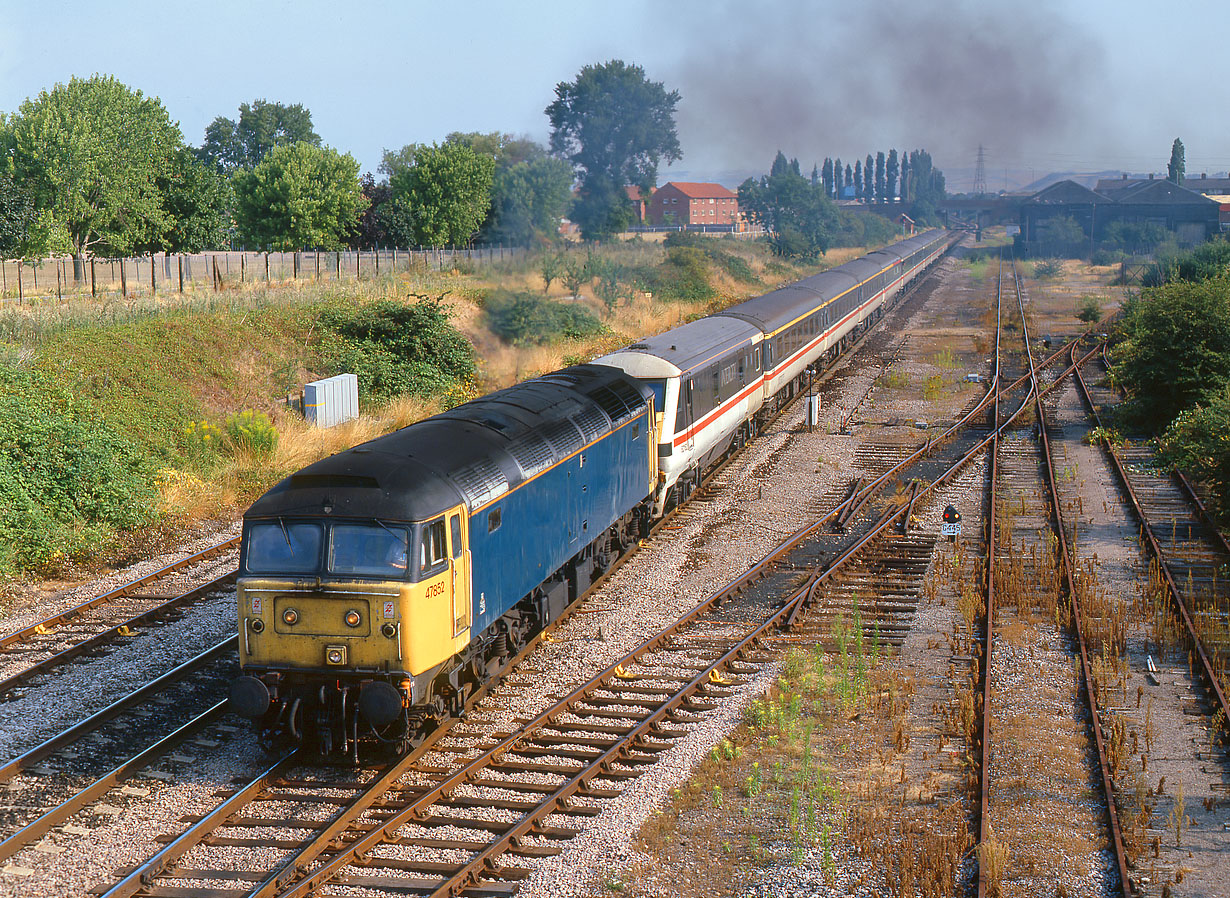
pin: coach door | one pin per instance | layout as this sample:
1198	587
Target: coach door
688	417
459	561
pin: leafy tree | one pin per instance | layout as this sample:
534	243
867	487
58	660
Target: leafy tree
261	127
880	193
826	175
1177	351
198	200
370	231
298	196
798	214
858	179
528	200
927	188
891	170
614	125
849	179
1061	235
907	188
838	178
92	154
815	174
869	184
1135	237
1177	167
441	197
17	217
1198	441
530	191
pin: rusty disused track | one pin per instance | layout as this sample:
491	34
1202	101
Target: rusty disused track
1197	551
1067	564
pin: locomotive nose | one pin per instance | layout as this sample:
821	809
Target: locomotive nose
249	697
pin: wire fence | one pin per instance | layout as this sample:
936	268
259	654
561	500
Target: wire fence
67	278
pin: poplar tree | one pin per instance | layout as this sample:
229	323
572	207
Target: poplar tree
891	170
880	177
1178	165
858	179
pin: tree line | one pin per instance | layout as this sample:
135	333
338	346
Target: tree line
96	168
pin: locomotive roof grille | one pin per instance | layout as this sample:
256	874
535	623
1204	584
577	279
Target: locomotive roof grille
532	453
593	424
480	482
564	436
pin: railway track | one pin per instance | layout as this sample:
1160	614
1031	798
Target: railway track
586	746
29	655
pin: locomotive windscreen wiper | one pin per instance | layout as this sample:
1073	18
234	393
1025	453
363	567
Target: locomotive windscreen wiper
405	535
287	536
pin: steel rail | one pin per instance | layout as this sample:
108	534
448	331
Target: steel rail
28	759
36	829
1108	783
988	637
1207	667
127	589
112	633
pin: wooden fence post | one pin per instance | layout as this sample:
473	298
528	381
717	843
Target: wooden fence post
21	296
93	280
243	267
337	264
316	257
377	251
266	267
153	275
59	297
123	280
180	260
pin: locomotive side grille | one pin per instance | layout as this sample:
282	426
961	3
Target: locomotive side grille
564	437
532	453
481	482
593	424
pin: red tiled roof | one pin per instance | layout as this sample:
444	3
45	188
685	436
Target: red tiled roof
700	190
634	193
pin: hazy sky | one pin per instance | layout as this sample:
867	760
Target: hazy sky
1083	85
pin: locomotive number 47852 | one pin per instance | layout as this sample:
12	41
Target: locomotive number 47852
435	589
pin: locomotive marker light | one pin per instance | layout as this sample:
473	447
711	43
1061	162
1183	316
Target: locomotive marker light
353	618
290	616
951	525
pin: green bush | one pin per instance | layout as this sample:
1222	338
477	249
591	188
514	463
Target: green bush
252	431
524	318
1045	269
394	348
1205	261
682	276
68	482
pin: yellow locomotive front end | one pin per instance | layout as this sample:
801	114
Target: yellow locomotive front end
345	624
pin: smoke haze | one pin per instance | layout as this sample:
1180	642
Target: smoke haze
945	76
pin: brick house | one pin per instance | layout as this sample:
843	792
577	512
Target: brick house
639	204
694	203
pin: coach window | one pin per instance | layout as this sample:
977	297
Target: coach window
432	549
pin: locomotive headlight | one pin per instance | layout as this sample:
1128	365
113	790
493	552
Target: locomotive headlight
290	616
352	618
335	655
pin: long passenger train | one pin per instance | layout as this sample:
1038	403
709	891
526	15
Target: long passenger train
379	586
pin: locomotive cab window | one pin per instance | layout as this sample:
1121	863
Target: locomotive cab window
372	550
277	547
432	549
